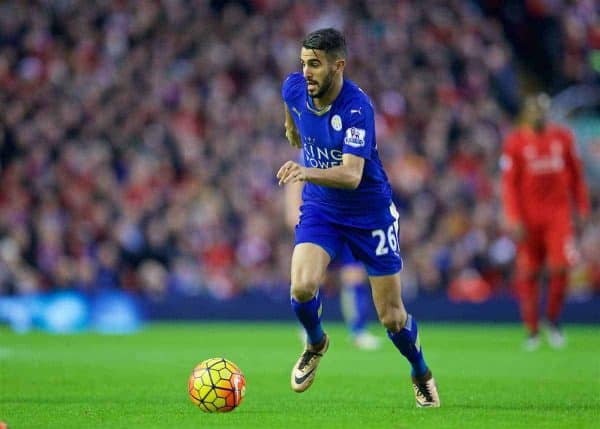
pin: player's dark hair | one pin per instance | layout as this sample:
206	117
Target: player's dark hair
329	40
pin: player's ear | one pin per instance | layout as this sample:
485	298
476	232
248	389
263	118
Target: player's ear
340	64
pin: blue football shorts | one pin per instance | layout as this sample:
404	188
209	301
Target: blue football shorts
344	258
376	248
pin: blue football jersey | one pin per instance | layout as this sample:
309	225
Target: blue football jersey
347	126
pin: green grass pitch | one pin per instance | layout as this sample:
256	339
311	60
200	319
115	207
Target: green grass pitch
140	381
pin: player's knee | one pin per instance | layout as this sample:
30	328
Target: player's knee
393	319
306	277
303	290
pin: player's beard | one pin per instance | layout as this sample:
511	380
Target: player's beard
325	86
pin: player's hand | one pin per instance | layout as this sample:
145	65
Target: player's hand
291	133
291	172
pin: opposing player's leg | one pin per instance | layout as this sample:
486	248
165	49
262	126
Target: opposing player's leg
556	298
356	301
402	329
309	262
530	257
562	253
529	298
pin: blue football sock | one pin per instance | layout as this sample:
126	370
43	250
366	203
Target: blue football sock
355	306
309	315
407	341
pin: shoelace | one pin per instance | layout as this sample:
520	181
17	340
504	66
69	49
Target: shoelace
307	356
424	391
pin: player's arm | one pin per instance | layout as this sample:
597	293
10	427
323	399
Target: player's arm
345	176
358	141
510	167
292	201
291	132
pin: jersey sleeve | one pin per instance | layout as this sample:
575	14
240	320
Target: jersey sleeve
577	183
359	129
510	167
292	87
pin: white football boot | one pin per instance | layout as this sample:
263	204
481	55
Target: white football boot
426	392
554	335
366	341
303	373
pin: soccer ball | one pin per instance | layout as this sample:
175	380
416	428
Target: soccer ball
217	385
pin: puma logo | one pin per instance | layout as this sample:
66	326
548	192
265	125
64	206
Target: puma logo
297	112
353	111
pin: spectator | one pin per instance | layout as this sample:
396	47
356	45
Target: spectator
120	135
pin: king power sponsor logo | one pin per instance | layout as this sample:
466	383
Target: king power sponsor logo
320	157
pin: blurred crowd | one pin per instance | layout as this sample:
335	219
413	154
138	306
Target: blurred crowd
139	139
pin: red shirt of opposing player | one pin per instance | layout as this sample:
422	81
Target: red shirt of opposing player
542	183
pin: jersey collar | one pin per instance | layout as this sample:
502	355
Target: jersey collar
317	111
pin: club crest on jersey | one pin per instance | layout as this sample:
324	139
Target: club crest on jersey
355	137
336	122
